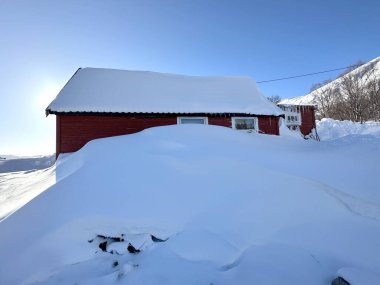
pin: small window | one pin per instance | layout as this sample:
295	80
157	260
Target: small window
248	123
192	120
293	119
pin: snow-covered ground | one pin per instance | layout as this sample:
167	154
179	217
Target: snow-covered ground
18	188
204	205
329	129
11	163
22	179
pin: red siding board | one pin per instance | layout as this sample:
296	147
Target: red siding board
74	131
220	121
268	125
307	119
57	136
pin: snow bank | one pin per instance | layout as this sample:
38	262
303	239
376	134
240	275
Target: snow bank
22	179
329	129
356	276
11	163
18	188
204	205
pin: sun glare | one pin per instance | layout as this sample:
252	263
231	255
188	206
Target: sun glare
47	94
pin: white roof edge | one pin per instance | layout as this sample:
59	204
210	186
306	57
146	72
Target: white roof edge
289	103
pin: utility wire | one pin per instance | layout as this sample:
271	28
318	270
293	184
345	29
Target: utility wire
308	74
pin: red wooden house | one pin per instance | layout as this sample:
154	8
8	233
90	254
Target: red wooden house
97	103
300	114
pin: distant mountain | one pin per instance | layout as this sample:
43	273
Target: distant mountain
372	66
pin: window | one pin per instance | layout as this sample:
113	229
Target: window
293	119
192	120
244	123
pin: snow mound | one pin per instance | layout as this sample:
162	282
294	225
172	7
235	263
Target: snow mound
198	204
356	276
10	163
330	129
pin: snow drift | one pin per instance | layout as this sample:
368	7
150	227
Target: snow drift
11	163
200	205
330	129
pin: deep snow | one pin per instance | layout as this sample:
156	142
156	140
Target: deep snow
18	188
236	208
12	163
23	178
330	129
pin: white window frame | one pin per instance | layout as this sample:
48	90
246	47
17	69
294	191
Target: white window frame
293	123
256	123
203	118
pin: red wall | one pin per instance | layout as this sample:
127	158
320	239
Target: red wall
269	125
74	131
220	121
307	119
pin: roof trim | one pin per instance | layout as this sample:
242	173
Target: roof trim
157	114
299	105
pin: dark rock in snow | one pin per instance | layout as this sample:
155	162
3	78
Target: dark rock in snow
103	246
132	249
339	281
91	240
156	239
111	239
115	239
115	263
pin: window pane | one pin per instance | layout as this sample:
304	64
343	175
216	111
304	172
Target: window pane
192	121
245	124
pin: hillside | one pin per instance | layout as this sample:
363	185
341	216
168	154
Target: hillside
201	205
310	98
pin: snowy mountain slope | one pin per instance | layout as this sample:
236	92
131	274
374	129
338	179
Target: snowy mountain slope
224	207
310	99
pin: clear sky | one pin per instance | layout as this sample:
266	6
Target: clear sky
42	43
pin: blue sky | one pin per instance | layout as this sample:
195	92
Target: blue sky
42	43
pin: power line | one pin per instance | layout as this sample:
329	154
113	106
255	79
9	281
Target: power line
308	74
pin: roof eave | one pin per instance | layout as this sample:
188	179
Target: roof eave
49	111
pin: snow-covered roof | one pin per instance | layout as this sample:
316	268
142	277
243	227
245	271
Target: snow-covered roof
310	99
123	91
307	100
